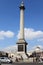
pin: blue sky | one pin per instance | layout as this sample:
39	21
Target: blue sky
9	22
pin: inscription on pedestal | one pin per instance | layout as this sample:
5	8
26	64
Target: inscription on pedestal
20	47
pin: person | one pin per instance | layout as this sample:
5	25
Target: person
16	59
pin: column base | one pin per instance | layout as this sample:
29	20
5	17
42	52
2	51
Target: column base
22	46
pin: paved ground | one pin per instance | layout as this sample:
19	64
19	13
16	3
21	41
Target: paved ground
24	64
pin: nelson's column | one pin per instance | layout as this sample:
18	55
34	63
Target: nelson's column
21	43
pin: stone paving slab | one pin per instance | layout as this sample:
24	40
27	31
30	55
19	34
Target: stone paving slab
24	64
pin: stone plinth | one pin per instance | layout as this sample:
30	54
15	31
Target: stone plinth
22	45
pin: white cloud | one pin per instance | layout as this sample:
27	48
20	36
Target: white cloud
31	34
11	49
40	46
34	48
6	34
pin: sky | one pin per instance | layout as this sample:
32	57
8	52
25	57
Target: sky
10	22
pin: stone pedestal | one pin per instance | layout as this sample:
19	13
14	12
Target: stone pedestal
22	45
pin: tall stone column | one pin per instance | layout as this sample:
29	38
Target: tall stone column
21	43
22	8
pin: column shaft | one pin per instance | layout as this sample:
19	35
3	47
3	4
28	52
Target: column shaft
21	24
